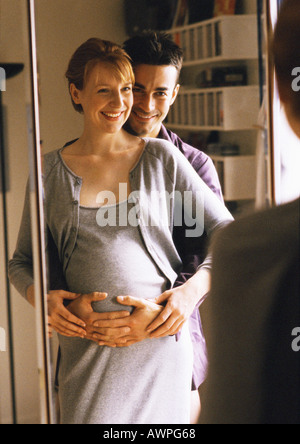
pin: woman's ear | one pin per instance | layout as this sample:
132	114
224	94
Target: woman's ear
75	94
175	93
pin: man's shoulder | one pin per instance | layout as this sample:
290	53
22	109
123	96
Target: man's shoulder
193	154
201	162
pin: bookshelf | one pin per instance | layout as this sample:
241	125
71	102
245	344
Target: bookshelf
211	109
211	41
231	108
237	176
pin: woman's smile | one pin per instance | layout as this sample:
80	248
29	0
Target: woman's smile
114	117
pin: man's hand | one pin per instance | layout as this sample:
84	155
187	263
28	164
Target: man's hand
144	313
181	302
177	311
60	319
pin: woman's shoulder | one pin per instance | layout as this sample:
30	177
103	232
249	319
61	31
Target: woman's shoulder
163	150
50	160
158	145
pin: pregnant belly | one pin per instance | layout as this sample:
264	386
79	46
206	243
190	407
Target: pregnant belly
140	286
110	304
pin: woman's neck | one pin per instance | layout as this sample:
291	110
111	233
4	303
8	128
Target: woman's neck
101	144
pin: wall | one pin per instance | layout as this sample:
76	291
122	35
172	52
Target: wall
61	26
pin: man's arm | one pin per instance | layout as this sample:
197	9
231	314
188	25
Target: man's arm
180	304
59	318
194	253
193	283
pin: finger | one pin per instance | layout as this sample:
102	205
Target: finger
70	318
167	329
99	317
161	332
97	296
127	344
69	295
65	323
115	323
160	320
177	328
67	332
117	344
65	314
107	344
109	333
162	298
130	300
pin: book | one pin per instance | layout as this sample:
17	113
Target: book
182	14
224	7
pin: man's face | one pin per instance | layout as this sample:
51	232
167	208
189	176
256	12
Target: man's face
154	92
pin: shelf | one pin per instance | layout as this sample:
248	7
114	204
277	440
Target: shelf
222	41
225	38
237	176
220	109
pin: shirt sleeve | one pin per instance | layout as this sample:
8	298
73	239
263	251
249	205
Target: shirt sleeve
20	267
203	211
206	169
194	254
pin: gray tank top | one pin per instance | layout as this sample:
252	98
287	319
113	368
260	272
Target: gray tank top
146	383
112	258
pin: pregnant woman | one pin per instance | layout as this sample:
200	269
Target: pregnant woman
114	237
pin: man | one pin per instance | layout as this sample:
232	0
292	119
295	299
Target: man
157	63
254	305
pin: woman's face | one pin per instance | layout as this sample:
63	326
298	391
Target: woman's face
105	99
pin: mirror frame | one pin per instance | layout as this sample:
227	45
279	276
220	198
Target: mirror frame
37	226
37	214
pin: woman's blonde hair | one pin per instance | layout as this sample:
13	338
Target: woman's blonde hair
92	52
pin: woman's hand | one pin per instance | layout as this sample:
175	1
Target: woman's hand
144	313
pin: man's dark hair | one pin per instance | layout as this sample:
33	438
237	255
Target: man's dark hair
154	48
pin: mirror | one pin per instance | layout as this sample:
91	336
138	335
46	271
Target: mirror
20	385
61	26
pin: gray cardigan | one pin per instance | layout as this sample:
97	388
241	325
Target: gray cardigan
160	168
